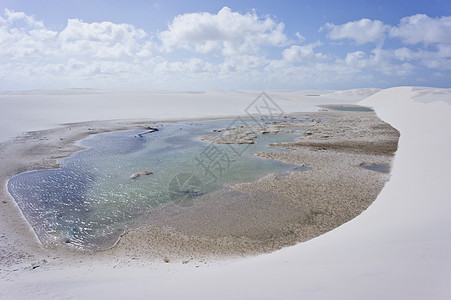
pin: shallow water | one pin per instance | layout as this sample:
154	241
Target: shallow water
91	199
349	108
377	168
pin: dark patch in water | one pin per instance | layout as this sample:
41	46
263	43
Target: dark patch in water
377	168
302	168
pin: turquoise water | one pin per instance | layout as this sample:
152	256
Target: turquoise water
91	200
349	108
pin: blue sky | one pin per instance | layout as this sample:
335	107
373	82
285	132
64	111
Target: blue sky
199	45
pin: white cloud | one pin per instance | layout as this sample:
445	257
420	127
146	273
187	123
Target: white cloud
22	36
106	54
444	50
105	39
15	17
423	29
379	60
413	30
404	54
437	63
102	32
197	65
147	49
362	31
358	59
189	67
227	32
439	59
300	37
302	53
242	63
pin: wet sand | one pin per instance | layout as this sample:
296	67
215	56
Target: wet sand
240	220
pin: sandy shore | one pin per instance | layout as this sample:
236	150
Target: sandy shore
240	220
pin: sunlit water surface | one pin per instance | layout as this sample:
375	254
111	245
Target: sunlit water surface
91	200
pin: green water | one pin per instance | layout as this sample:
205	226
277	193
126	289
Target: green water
92	199
349	108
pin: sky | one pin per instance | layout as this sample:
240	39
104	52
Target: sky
223	45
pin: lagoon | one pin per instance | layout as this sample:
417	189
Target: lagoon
92	199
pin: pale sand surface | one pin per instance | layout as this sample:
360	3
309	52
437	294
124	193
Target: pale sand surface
398	248
46	109
241	219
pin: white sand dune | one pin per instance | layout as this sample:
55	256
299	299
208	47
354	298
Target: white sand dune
399	248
